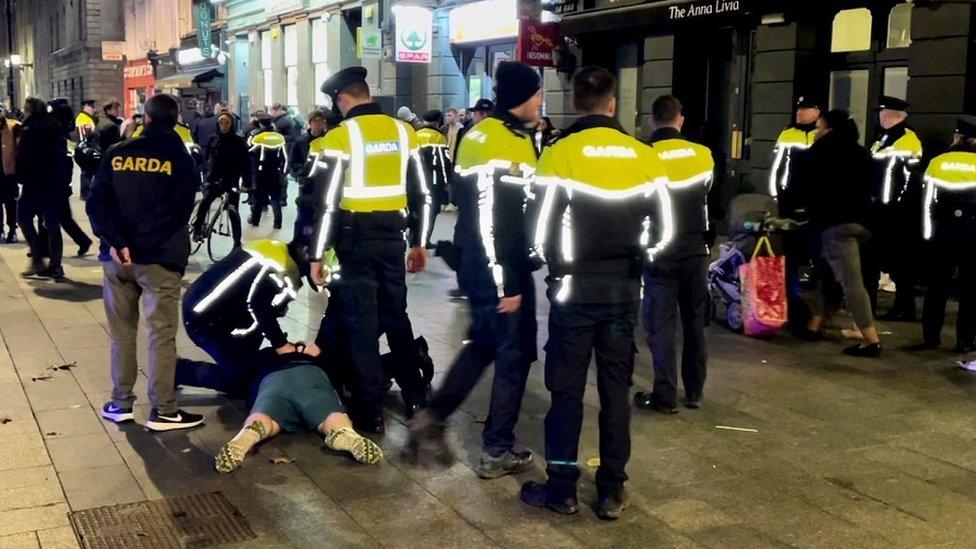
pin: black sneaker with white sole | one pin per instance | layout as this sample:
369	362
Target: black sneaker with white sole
180	419
115	413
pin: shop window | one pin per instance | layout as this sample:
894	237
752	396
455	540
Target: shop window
291	65
896	82
851	31
266	67
849	90
900	26
320	59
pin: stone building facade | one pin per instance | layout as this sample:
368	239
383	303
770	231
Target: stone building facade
60	43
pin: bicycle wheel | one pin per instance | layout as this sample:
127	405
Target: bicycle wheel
219	241
209	222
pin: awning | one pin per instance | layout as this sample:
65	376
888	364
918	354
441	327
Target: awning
187	78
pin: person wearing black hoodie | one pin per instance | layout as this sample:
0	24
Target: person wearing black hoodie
41	169
834	180
230	170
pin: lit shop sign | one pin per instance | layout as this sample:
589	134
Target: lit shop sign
414	34
191	56
482	21
704	9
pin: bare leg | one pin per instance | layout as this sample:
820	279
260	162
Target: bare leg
340	436
257	427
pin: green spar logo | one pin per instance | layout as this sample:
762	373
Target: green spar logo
414	39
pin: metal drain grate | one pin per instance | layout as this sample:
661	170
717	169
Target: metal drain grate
199	520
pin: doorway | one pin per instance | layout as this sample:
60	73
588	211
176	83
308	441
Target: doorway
703	69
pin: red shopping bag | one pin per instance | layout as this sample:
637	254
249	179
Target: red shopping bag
763	283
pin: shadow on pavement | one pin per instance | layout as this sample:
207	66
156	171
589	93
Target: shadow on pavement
67	290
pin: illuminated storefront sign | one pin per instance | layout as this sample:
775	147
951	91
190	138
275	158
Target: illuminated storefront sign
483	21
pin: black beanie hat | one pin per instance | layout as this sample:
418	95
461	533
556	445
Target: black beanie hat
515	83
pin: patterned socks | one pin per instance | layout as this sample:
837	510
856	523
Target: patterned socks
347	440
232	455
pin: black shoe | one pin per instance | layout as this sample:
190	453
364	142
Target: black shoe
411	409
456	293
809	335
83	249
426	363
509	463
537	494
427	441
276	226
648	402
612	504
924	346
897	315
159	421
35	269
52	271
11	237
117	414
374	425
692	403
868	350
962	349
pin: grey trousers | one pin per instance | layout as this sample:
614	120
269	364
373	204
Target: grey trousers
842	250
159	289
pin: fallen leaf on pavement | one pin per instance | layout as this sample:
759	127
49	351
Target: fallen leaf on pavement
281	460
593	462
186	450
5	420
51	434
737	429
42	377
63	366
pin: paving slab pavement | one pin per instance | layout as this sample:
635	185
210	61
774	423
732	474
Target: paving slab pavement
849	452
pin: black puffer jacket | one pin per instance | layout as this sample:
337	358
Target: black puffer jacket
833	179
41	155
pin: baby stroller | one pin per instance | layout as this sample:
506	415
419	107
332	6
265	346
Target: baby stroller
750	215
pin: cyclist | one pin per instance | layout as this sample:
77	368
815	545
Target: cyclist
229	168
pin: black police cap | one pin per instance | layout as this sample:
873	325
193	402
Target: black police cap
892	103
483	105
808	102
966	126
342	79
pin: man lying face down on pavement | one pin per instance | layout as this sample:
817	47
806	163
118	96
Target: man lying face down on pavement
293	394
234	307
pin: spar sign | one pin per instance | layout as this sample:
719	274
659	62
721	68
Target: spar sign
414	30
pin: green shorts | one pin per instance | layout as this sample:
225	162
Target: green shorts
300	397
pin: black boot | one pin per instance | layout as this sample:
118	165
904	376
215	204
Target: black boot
612	503
539	494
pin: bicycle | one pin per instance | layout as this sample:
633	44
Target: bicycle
220	221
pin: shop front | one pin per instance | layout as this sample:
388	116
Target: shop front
138	83
482	35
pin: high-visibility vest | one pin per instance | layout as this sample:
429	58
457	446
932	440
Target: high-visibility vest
498	164
587	172
790	140
184	132
268	142
690	170
375	150
897	159
85	124
950	179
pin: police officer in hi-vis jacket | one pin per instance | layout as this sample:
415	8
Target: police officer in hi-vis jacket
371	189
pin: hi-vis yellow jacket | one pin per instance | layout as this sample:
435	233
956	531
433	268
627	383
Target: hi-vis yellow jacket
369	166
690	170
896	153
181	130
496	163
269	151
433	153
791	141
84	124
950	189
605	194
